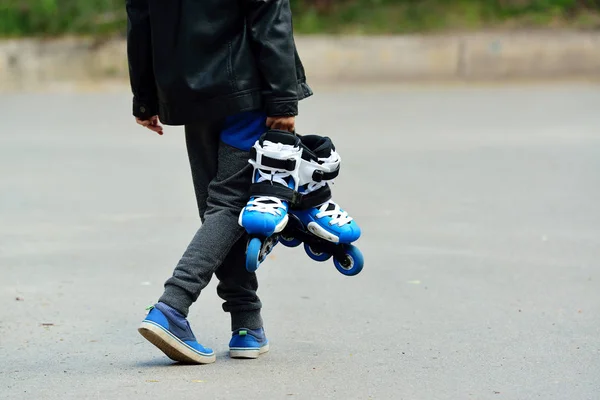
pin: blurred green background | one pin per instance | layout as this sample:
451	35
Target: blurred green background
107	17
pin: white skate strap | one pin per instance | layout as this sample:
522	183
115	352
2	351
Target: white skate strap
317	172
264	161
328	168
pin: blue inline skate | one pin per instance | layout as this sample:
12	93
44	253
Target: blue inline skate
276	161
315	220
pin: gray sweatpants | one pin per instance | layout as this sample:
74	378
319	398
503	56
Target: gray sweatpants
222	177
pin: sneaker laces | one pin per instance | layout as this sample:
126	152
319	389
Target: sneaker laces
268	204
337	215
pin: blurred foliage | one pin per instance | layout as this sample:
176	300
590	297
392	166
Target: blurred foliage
407	16
99	17
56	17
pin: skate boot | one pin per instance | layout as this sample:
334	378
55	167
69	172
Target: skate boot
325	228
276	161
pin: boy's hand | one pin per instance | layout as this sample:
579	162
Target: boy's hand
151	124
282	123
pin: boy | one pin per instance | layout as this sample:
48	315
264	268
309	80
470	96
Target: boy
227	70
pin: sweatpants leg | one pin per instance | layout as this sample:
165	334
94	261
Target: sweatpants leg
202	142
221	175
238	288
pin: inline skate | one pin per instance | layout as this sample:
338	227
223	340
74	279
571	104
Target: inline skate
315	220
276	161
291	202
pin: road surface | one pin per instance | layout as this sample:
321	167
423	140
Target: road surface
480	208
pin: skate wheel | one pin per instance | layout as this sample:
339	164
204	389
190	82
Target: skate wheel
253	254
352	263
316	255
289	241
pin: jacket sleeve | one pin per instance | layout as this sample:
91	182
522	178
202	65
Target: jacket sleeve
139	55
270	27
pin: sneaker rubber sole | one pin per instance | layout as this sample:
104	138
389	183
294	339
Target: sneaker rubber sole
172	346
247	353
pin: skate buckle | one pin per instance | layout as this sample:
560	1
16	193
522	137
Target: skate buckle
296	199
318	176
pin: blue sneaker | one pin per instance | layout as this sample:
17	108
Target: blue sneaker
168	330
248	343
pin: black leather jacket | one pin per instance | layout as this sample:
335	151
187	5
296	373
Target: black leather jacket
199	59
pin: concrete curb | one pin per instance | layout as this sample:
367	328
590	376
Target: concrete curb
31	63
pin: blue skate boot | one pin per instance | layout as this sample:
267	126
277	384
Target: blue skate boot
248	343
276	161
168	330
325	228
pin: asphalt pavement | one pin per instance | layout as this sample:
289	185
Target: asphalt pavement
480	210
